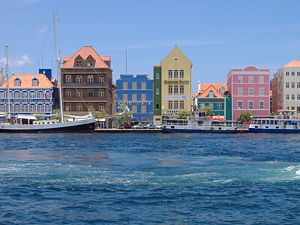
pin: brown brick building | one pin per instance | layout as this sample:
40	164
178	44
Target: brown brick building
87	82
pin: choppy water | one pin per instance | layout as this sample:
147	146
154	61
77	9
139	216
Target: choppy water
149	179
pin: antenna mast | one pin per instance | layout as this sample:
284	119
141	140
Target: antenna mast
58	62
7	78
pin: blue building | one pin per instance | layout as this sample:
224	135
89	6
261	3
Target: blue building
26	94
137	93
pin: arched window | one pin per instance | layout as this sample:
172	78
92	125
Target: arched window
40	94
40	108
32	108
48	95
48	108
24	108
2	108
2	95
68	79
17	108
24	94
17	95
32	94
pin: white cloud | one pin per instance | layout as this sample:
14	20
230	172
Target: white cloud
17	62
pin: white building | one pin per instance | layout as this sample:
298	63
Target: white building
286	87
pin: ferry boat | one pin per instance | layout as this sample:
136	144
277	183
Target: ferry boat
198	123
285	121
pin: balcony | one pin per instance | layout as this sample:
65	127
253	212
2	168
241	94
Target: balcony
84	85
84	99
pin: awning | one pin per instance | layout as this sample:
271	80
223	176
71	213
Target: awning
28	117
218	118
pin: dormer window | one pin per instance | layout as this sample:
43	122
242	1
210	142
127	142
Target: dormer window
35	82
90	63
211	94
78	63
17	82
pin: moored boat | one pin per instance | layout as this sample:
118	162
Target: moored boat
286	121
198	123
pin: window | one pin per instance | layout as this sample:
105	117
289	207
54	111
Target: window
17	95
170	74
298	108
240	105
261	91
101	94
240	79
32	108
170	105
101	107
90	93
181	104
170	89
90	107
293	73
41	94
125	85
48	95
48	108
68	93
181	89
175	73
90	78
250	91
261	79
157	76
298	96
157	91
17	82
175	104
79	107
40	108
261	105
240	91
144	109
134	86
293	108
211	94
250	105
35	82
157	106
250	79
90	63
2	108
287	97
101	80
134	108
287	73
2	94
134	97
175	89
68	79
79	93
24	94
144	86
32	94
24	108
293	84
17	108
287	85
293	97
143	97
78	79
125	97
298	84
298	73
219	106
78	63
181	73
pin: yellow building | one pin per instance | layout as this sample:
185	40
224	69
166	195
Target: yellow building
172	85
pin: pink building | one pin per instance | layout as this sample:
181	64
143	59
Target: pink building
249	89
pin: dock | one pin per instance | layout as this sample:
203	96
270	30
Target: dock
115	130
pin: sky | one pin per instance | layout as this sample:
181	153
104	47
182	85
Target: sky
217	35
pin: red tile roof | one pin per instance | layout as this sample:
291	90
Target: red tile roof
84	53
294	63
206	88
26	81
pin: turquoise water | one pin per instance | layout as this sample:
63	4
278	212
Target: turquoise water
149	179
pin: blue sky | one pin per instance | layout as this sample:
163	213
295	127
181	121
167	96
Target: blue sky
217	35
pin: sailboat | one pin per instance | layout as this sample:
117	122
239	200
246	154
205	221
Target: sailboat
29	124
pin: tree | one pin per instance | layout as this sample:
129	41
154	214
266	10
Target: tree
244	117
99	114
183	114
207	110
125	115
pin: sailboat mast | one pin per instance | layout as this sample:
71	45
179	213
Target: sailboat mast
7	78
58	61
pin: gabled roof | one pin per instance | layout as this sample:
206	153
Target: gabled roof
294	63
26	81
206	88
84	53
